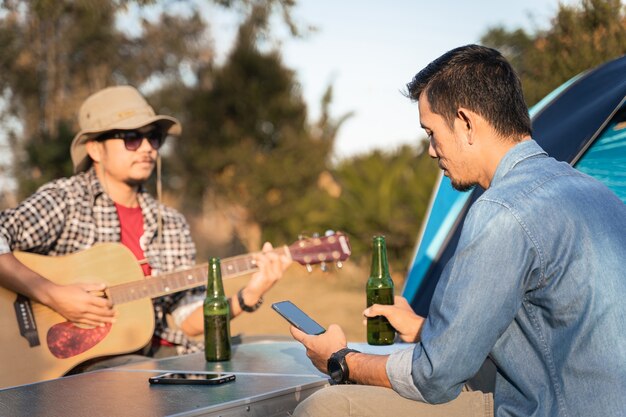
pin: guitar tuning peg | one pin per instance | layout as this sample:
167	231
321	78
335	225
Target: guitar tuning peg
315	234
324	267
300	236
339	264
329	233
309	268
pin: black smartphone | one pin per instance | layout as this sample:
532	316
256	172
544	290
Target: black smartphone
198	378
297	317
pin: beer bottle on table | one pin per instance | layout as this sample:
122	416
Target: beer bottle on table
216	316
379	290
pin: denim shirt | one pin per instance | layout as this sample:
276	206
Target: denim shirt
538	283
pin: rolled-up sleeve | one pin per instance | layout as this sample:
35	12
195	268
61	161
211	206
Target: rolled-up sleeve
399	365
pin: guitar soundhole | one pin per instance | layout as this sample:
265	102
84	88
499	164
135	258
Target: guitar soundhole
66	340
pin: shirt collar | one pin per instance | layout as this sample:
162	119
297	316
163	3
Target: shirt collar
96	190
93	183
518	153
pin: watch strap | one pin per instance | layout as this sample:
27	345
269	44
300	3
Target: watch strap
247	308
341	375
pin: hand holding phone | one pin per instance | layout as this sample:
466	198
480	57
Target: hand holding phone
297	317
195	378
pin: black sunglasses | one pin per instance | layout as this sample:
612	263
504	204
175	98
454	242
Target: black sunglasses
134	138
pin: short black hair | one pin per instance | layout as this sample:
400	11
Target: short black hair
479	79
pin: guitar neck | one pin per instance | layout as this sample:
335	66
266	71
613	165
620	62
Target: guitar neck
160	285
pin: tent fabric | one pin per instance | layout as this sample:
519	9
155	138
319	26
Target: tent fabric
606	158
443	214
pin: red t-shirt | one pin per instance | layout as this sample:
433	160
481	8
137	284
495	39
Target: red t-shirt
131	223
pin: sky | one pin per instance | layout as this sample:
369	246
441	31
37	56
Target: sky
368	50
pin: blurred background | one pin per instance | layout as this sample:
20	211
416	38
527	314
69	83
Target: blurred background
293	116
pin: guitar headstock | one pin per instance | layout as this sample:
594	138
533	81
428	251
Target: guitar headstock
321	250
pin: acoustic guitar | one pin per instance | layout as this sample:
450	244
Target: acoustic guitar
36	343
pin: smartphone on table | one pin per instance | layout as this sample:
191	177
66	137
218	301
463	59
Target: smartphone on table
195	378
298	318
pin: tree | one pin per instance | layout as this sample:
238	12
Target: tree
55	53
77	48
386	193
248	150
581	37
247	142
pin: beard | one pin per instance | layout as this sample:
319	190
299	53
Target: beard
462	186
138	181
459	184
139	176
133	182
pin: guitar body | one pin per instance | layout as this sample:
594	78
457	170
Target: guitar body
37	343
56	346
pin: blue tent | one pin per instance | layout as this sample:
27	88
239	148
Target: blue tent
582	122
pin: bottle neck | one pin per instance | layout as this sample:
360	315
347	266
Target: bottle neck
215	287
380	267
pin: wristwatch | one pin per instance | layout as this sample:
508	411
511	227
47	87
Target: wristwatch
247	308
338	368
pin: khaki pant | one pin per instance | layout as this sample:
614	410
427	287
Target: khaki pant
369	401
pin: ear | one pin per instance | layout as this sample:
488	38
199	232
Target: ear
467	123
94	150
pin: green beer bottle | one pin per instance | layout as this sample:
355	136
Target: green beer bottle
379	290
216	316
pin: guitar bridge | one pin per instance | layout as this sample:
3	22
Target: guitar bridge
26	320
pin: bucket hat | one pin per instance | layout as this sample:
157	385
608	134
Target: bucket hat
114	108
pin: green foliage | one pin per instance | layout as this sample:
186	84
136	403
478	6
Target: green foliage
46	158
55	53
582	36
386	193
247	138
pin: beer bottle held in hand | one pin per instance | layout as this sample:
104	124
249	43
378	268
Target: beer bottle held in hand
379	290
216	316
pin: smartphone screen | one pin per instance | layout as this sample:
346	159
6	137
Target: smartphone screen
199	378
297	317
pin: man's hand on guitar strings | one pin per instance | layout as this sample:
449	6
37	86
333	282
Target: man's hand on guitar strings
83	303
272	266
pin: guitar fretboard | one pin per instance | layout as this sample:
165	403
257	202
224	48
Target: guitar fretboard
159	285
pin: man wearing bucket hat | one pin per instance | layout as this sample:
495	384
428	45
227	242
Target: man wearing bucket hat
113	155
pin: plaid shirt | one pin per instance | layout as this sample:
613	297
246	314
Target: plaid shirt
72	214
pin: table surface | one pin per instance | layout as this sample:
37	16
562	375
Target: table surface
271	378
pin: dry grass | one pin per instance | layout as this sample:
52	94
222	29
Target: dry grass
337	296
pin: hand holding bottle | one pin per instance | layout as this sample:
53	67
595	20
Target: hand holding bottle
379	290
401	316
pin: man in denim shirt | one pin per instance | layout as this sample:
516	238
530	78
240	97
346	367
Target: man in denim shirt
537	283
